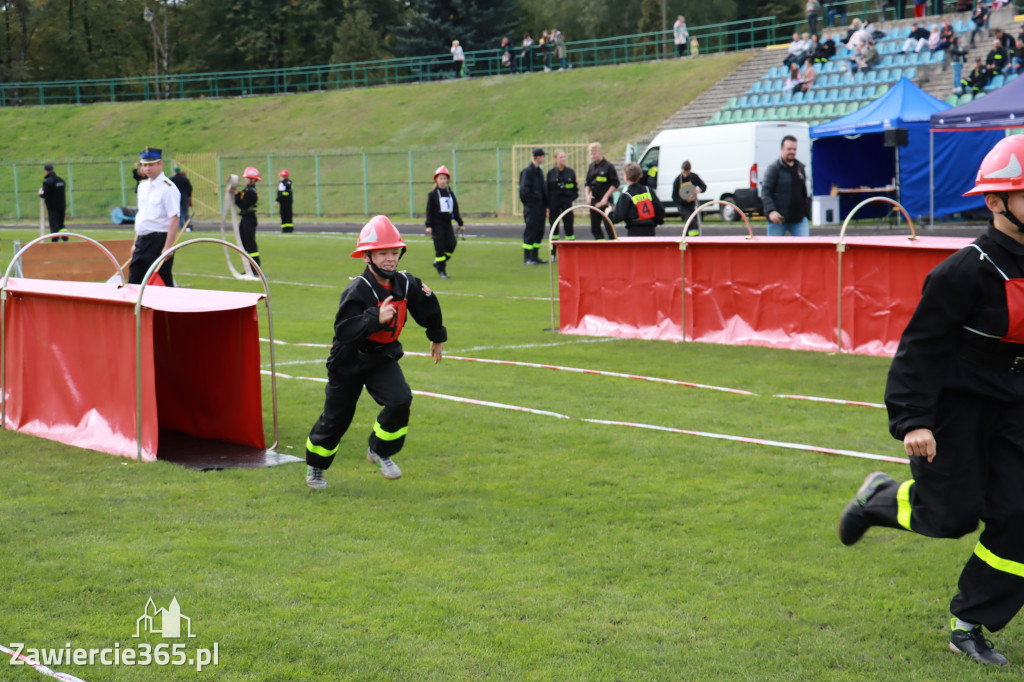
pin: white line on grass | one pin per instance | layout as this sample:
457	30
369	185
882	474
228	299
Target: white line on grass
701	434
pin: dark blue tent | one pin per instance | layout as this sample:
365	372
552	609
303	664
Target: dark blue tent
850	152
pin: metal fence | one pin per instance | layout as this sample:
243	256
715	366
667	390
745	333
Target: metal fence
713	38
485	179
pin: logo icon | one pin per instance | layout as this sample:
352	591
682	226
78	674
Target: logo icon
164	622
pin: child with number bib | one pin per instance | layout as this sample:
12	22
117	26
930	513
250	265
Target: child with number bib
366	350
638	206
442	206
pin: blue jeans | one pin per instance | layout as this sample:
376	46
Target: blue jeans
958	70
800	229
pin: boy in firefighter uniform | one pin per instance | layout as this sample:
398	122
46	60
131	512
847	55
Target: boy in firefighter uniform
442	206
284	200
562	192
638	205
955	396
246	200
366	350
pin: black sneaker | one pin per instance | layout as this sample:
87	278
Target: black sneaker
853	523
974	644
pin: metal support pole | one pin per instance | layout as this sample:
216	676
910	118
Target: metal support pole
17	194
366	186
498	181
319	212
412	197
124	190
270	179
71	190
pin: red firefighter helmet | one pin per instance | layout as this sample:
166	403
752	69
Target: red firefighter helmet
1002	170
284	173
251	172
379	233
442	170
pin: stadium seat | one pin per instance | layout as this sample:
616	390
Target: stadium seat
965	98
816	111
914	58
728	116
756	87
858	78
1011	77
883	76
882	89
804	111
759	114
995	83
731	103
910	73
886	61
952	100
900	60
775	99
787	97
938	57
901	33
715	118
832	95
872	77
743	102
842	52
857	94
958	26
771	114
846	79
798	97
844	95
776	72
869	92
852	107
828	111
895	75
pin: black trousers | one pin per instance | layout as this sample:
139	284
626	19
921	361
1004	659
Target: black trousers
148	248
247	231
977	475
444	242
567	221
533	233
387	386
286	217
56	216
598	226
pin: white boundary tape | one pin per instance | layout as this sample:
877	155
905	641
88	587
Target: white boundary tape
829	400
653	427
39	667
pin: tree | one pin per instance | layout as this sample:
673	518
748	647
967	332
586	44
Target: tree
476	24
356	40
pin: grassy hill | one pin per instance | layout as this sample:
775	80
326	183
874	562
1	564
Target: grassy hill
614	104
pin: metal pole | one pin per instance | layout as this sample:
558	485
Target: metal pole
366	186
71	189
319	212
124	190
17	195
931	179
455	169
412	198
270	179
497	180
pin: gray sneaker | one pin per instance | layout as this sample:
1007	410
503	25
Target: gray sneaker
315	478
853	523
974	644
388	469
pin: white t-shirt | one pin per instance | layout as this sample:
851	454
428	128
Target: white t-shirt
158	201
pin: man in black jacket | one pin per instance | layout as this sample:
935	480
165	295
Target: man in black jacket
997	58
955	396
533	192
52	193
784	194
181	181
602	181
685	189
562	191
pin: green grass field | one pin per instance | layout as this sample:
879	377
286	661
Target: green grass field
516	546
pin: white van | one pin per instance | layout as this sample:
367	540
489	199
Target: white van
729	158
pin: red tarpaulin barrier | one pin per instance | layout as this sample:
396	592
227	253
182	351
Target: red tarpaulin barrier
780	292
70	365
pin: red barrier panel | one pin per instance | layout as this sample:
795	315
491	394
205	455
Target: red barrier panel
70	365
780	292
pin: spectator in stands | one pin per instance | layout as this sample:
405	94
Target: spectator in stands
980	19
507	58
864	58
997	58
957	56
813	10
934	38
680	35
458	59
794	50
793	77
1005	38
834	9
784	194
826	50
978	78
858	36
526	56
545	47
807	77
1018	57
917	40
946	35
558	40
919	8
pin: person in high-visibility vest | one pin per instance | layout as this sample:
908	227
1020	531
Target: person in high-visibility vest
247	200
285	197
955	396
638	205
366	350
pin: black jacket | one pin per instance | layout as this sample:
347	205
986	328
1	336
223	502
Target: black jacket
677	184
435	216
284	192
964	291
600	177
563	189
533	189
777	191
53	192
184	186
246	200
358	318
635	198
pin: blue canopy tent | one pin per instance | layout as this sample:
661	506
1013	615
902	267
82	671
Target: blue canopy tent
850	152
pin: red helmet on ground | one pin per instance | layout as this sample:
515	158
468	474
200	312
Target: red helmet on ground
1002	170
284	173
251	172
442	170
379	233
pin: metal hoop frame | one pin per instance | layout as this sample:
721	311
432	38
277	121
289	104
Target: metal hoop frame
551	261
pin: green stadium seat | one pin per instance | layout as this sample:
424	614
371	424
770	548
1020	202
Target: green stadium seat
759	114
728	116
731	104
965	98
952	100
804	111
828	111
748	115
816	111
771	114
715	118
882	89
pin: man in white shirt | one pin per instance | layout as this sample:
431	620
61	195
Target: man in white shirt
156	223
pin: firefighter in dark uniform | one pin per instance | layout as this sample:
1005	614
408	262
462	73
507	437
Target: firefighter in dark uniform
563	190
284	200
685	188
442	207
366	350
246	200
53	196
602	180
533	191
638	205
955	396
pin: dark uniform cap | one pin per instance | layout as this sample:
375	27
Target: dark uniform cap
150	155
538	152
48	167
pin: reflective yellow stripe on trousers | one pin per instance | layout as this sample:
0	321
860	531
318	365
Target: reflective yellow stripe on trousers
387	435
998	563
